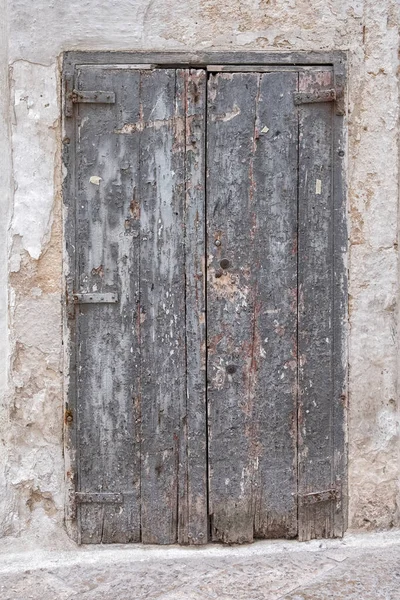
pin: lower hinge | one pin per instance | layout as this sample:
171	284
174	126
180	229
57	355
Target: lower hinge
323	496
98	498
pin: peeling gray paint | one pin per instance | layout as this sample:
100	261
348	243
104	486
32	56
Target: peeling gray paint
5	203
34	141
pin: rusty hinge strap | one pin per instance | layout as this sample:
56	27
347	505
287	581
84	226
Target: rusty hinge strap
96	298
339	80
324	496
95	97
311	97
99	498
90	97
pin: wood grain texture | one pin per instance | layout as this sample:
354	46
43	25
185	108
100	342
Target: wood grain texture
162	302
252	305
107	251
316	311
275	278
173	430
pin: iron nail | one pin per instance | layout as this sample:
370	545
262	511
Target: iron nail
225	264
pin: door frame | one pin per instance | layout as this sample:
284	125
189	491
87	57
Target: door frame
298	61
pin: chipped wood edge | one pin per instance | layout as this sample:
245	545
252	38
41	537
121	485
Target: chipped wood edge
341	310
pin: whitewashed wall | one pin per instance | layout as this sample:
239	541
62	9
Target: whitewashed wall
32	37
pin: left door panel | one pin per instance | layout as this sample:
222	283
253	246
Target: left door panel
139	235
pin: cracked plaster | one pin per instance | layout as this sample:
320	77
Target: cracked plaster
31	378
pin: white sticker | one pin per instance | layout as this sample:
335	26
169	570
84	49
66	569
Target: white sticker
318	187
265	129
95	179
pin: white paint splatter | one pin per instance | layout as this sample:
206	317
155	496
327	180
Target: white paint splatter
228	116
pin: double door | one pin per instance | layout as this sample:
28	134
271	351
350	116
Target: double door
206	359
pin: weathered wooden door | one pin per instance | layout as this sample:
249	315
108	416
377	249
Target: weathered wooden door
206	321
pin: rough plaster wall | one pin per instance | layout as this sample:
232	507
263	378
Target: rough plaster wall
35	465
373	195
38	33
5	197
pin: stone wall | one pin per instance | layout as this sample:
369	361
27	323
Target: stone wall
33	36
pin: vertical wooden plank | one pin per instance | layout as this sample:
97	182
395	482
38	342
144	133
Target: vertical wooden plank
316	312
107	229
162	301
193	517
251	305
275	328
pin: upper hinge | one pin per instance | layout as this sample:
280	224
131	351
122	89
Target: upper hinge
335	94
72	96
315	96
95	97
323	496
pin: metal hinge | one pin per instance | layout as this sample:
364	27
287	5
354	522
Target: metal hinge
324	496
318	96
96	97
96	298
98	498
73	96
335	94
76	96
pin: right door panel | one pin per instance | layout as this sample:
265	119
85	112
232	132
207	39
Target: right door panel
252	224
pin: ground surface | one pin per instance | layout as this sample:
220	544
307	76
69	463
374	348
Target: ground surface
361	567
